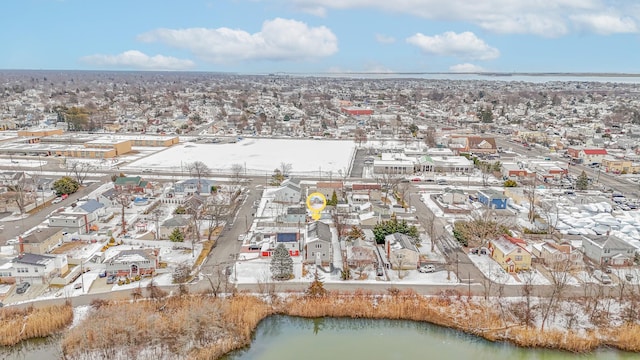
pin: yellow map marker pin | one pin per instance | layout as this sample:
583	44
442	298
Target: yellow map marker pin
316	202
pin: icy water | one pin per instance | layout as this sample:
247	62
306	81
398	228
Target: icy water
283	338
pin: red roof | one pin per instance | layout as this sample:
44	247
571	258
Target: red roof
595	151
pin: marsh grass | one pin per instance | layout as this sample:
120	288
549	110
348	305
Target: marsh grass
206	327
21	324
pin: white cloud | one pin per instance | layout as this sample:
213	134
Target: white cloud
134	59
466	68
385	39
549	18
605	24
465	45
279	39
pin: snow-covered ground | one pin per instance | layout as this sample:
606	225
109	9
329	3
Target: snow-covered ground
257	156
494	272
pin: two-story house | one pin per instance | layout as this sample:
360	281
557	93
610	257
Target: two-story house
318	247
510	253
608	250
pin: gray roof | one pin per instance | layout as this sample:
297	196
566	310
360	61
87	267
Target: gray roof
33	259
91	206
402	239
176	221
320	230
40	235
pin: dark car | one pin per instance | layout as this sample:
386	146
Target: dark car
22	287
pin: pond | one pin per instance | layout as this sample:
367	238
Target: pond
282	338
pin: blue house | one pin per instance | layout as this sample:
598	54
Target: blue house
492	198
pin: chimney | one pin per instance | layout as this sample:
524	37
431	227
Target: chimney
21	242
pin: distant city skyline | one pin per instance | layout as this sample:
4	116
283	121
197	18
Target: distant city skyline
323	36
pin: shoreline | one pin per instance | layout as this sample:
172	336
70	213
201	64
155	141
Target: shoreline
219	326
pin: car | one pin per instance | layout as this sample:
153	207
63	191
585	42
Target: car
427	269
241	237
77	286
22	287
103	273
111	279
379	271
56	200
628	276
147	170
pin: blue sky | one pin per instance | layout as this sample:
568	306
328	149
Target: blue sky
301	36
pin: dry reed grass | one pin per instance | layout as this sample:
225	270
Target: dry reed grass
21	324
206	327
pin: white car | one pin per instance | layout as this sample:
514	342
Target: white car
427	269
56	200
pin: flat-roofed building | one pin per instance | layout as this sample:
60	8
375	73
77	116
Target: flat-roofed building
121	146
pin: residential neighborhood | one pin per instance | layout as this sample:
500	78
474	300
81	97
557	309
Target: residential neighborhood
411	189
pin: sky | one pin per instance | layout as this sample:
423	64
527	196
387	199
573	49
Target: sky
322	36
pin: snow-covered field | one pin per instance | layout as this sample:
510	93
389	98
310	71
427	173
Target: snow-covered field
257	155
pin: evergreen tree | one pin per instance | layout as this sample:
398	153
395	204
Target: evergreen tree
65	185
281	264
582	182
381	230
316	288
176	235
334	199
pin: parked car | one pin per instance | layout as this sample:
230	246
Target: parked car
241	237
379	271
77	286
111	279
427	269
22	287
628	276
103	273
56	200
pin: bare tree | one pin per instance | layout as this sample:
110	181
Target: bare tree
388	180
549	209
18	185
560	276
285	169
199	170
360	136
123	198
236	173
215	208
218	279
79	170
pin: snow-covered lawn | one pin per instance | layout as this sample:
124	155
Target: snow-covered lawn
257	155
495	273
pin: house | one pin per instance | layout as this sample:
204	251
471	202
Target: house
131	263
38	268
294	214
492	198
453	196
557	255
180	222
510	253
590	156
327	188
109	198
318	247
373	191
93	209
361	254
71	222
401	252
608	250
42	240
288	192
191	186
132	184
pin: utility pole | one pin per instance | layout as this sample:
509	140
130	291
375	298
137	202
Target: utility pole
469	280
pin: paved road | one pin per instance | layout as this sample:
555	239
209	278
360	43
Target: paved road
16	227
